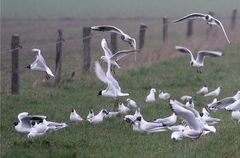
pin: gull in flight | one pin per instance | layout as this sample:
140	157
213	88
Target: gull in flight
203	90
221	104
113	57
163	95
114	29
151	96
214	93
208	18
40	64
192	117
199	61
113	89
74	116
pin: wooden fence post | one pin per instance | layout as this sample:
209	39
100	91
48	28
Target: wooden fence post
86	49
15	71
189	28
58	60
233	19
165	29
113	42
142	30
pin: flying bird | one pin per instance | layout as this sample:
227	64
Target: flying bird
40	65
208	18
113	57
125	37
199	61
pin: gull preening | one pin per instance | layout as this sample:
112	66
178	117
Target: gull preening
113	89
125	37
208	18
199	61
113	58
39	64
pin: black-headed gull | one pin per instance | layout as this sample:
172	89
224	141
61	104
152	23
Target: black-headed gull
164	95
125	37
151	96
108	55
99	117
39	64
113	89
74	116
25	120
221	104
208	18
167	121
112	114
122	108
131	104
190	103
90	114
236	115
199	61
203	90
214	93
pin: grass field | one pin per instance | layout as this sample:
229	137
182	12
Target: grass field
158	66
115	138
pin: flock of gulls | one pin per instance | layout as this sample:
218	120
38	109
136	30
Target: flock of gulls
193	124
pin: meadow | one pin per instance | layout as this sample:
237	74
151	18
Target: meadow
158	66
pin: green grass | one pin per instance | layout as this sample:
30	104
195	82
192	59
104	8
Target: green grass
112	8
114	137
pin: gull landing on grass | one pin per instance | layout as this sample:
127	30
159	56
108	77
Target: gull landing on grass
199	61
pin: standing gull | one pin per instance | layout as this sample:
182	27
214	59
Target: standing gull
208	18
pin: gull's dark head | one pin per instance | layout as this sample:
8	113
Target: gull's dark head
201	114
28	67
139	118
100	93
72	110
123	37
191	63
105	111
15	123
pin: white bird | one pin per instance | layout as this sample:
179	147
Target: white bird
148	127
40	64
164	95
205	117
74	116
125	37
186	98
25	120
236	116
112	114
210	104
190	103
90	114
131	104
199	61
208	18
177	135
193	120
235	106
113	58
151	96
203	90
221	104
214	93
113	89
122	108
167	121
99	117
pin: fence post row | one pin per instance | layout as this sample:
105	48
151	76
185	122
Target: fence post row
15	71
142	30
165	29
58	60
86	49
233	19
